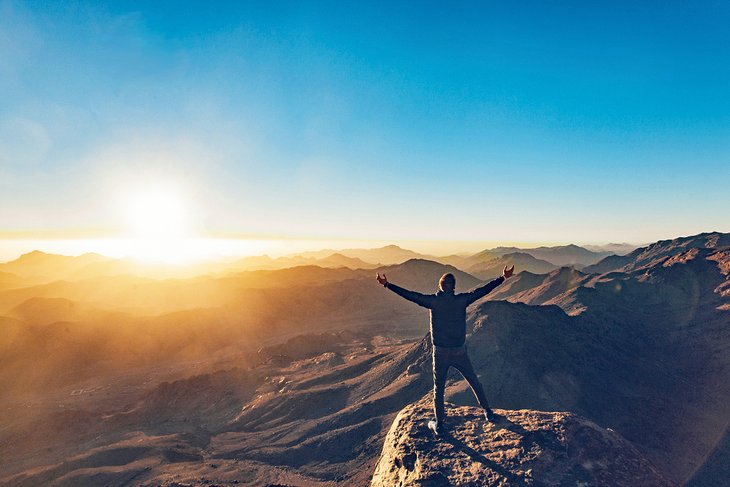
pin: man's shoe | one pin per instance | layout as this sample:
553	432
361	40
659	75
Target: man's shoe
489	414
435	427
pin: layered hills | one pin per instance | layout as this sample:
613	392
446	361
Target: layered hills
294	376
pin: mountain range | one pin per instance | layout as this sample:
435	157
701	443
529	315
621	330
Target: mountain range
294	376
39	267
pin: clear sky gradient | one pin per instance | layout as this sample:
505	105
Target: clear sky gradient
385	121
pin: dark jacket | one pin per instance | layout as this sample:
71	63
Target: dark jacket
448	311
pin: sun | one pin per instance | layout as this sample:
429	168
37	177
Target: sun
155	212
156	221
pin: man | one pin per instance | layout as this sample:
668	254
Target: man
448	334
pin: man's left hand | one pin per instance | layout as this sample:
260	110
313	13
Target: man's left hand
507	273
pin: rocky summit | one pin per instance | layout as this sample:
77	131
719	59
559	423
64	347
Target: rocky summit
522	447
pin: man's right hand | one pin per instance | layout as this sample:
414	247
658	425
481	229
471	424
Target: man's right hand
381	279
507	273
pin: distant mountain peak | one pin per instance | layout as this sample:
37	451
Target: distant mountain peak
417	261
34	254
566	270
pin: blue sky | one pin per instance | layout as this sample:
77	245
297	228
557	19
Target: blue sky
545	122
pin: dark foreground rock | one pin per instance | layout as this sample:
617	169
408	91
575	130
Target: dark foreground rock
524	447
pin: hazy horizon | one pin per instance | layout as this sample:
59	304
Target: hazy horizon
210	249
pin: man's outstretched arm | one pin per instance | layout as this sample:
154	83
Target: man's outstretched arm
482	291
418	298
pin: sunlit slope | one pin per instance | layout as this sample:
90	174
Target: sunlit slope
97	326
48	267
322	416
148	296
645	350
530	288
153	296
659	251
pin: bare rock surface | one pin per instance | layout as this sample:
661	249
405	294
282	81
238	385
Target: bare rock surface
523	447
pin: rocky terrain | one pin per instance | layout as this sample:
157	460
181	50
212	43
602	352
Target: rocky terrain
522	447
294	376
315	418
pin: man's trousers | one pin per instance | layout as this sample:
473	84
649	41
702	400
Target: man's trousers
443	358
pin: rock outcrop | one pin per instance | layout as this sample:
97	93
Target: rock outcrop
524	447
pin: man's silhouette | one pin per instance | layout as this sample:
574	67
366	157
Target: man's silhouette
448	334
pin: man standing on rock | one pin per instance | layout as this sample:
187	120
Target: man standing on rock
448	334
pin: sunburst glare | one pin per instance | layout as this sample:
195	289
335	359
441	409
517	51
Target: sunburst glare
157	223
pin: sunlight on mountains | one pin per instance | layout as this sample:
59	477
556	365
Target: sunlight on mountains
110	366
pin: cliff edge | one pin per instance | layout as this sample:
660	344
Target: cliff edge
524	447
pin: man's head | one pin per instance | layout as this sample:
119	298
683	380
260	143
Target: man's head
447	283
